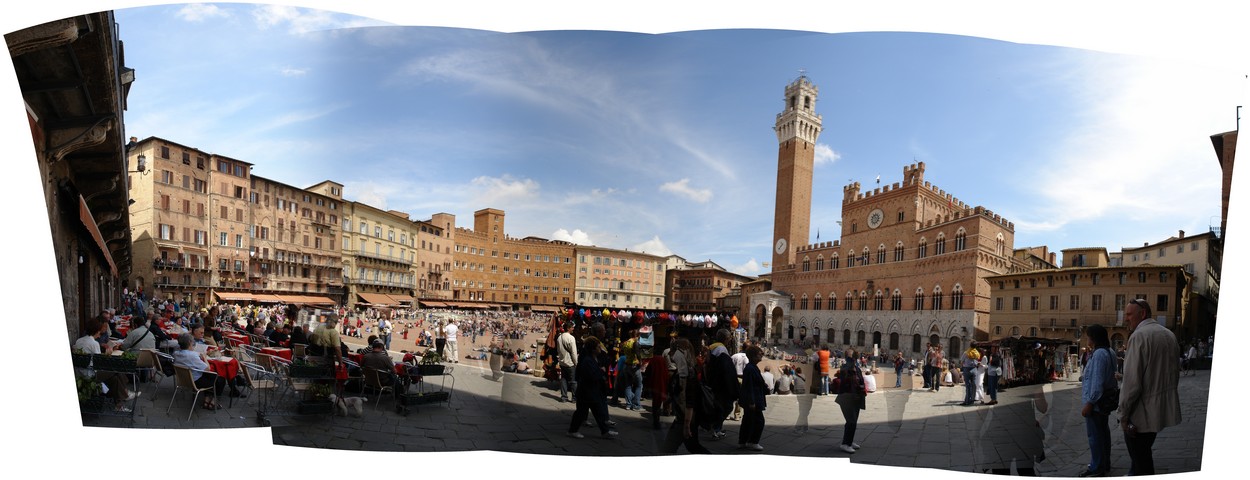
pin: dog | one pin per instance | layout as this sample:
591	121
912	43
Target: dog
345	405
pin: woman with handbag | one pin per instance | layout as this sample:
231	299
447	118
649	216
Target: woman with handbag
1100	395
852	397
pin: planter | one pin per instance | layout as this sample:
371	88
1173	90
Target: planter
315	407
432	369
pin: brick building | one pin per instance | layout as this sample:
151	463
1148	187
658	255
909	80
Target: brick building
909	268
1061	303
494	270
701	286
619	278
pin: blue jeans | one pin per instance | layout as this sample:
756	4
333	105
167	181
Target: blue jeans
970	390
824	384
991	387
1099	433
633	394
898	379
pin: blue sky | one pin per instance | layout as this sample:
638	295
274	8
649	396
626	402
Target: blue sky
664	143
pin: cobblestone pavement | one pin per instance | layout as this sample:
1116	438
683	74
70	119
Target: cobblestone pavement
906	427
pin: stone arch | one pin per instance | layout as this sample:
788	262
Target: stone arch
894	326
779	320
760	327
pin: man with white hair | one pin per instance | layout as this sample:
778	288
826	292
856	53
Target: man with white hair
450	332
1149	398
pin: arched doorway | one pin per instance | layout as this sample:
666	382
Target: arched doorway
759	321
956	349
876	339
831	335
846	337
778	321
859	338
894	341
935	340
915	343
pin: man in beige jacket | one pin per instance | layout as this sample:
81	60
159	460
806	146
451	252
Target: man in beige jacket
1149	399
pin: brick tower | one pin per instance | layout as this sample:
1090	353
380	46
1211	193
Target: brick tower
797	128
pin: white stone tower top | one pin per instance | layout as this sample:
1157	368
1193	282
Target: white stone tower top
799	119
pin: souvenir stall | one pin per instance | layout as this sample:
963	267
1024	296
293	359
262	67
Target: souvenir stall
1026	360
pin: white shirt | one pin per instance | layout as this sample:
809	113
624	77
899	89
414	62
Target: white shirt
768	380
450	330
740	361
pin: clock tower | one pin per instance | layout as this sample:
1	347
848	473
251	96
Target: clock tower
797	128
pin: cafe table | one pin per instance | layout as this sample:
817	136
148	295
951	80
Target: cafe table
225	367
277	352
239	338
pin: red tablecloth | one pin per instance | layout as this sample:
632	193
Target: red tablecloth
242	339
277	352
225	367
355	357
122	329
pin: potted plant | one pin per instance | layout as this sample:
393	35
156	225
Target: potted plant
318	401
432	364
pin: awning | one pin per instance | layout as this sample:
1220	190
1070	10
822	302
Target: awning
377	299
432	304
402	299
233	296
88	220
265	298
542	308
317	300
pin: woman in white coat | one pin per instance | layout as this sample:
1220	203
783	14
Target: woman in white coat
979	378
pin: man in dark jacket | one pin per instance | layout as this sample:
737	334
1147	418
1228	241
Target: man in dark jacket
722	377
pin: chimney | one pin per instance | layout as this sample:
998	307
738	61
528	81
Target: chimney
1182	234
1145	244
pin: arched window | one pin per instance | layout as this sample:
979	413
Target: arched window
957	298
846	304
960	239
939	247
816	303
922	249
863	258
881	253
937	298
898	252
846	337
803	302
1001	245
878	301
863	300
820	264
833	301
919	304
896	300
833	263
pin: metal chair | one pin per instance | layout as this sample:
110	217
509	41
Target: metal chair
258	378
183	379
373	379
150	361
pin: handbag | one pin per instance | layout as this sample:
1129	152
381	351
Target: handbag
1110	399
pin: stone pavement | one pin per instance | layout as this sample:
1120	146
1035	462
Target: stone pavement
901	427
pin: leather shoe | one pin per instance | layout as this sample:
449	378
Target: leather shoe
1088	473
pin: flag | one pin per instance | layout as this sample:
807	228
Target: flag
818	234
878	179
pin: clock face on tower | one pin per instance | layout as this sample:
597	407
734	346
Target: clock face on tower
875	217
781	246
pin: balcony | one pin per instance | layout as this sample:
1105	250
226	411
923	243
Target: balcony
383	257
173	284
162	264
383	283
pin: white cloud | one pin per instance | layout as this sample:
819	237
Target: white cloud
576	236
293	72
1143	122
198	12
298	117
826	155
654	246
682	187
300	20
752	267
496	192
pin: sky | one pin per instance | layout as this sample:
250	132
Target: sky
664	143
588	132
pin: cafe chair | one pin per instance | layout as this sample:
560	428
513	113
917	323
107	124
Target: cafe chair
297	350
373	380
183	379
258	378
150	361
